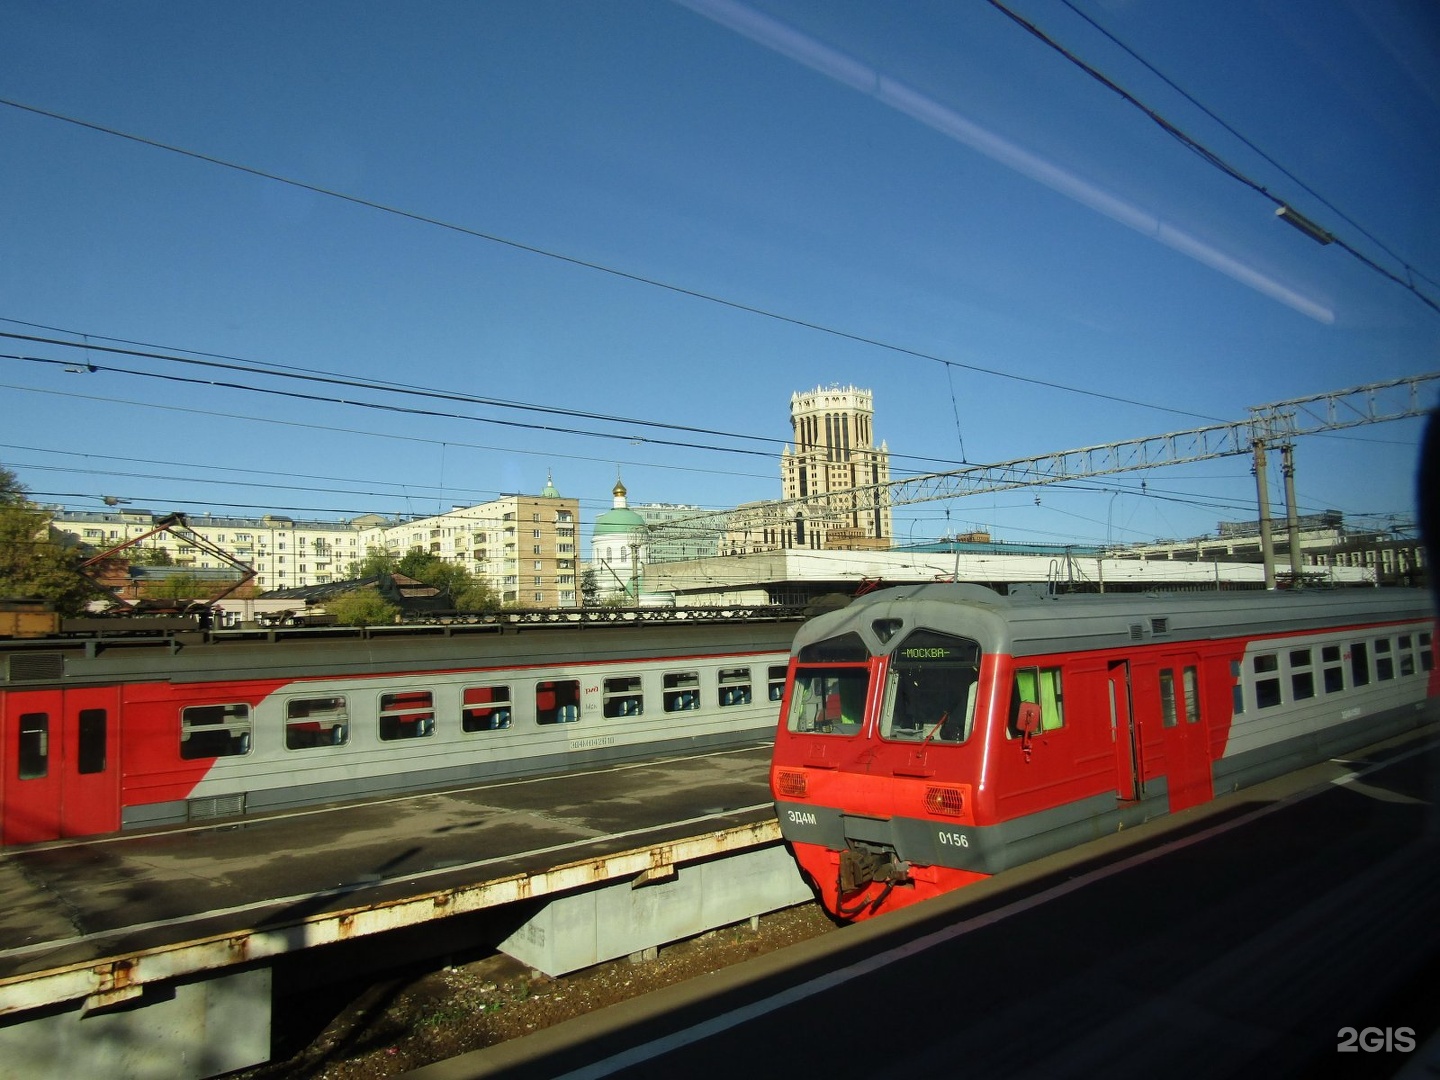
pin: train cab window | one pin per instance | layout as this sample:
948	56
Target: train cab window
90	756
622	696
1267	688
1384	661
682	691
406	715
208	731
1237	689
1407	656
1359	664
485	708
734	686
776	681
319	721
828	700
837	650
557	702
1037	686
1302	678
1332	669
930	688
34	756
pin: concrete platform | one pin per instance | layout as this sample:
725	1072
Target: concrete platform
100	920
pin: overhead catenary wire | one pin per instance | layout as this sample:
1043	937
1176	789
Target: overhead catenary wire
1204	152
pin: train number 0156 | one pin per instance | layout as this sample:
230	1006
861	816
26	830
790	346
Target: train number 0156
949	838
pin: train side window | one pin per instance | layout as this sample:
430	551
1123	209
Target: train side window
1037	686
90	754
829	700
682	691
1302	678
623	696
321	721
734	686
776	679
1267	690
1359	664
1333	669
1384	661
208	731
406	715
557	702
1427	658
34	756
1407	655
1237	690
485	708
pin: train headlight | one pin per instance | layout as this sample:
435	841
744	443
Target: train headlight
945	800
791	784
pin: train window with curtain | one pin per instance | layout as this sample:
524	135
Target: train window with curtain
485	708
34	758
209	731
1267	688
734	687
317	721
1037	686
91	754
682	691
622	696
557	702
1302	678
829	700
930	688
776	681
1332	669
408	714
1384	661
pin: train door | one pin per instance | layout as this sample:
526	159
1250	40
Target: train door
1129	776
62	765
1183	732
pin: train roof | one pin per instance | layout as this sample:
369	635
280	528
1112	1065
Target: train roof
1029	624
415	649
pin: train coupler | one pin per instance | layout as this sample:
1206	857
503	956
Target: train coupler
860	866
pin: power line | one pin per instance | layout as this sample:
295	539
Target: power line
1283	209
1228	127
590	264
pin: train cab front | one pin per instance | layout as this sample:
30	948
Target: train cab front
878	761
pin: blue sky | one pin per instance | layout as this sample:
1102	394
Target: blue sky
584	206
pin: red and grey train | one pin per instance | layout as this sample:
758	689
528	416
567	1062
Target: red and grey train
120	731
934	735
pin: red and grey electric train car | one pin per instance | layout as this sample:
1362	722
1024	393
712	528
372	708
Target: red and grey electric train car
934	735
117	732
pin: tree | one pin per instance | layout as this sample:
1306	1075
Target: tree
362	607
589	588
33	561
465	590
377	561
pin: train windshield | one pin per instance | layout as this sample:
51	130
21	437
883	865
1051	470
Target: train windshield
930	688
829	700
